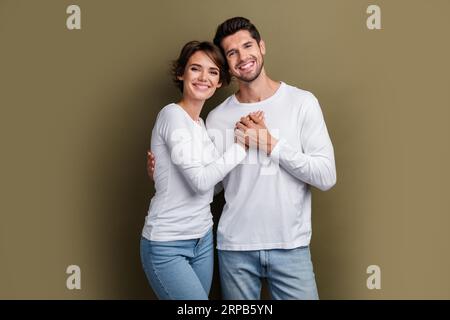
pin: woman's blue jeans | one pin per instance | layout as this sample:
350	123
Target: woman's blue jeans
179	270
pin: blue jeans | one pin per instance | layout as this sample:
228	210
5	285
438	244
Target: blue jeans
179	270
289	274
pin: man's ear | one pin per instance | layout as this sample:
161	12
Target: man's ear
262	46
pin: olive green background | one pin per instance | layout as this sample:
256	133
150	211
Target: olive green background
77	109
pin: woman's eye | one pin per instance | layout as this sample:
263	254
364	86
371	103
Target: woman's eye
214	73
194	69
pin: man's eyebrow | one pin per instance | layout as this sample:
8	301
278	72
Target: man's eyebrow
244	44
226	53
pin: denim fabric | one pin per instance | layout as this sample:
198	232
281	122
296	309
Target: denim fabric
289	274
179	270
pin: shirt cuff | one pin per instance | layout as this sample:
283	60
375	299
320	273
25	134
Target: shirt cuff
242	153
275	154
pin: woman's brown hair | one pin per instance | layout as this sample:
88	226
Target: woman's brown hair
213	52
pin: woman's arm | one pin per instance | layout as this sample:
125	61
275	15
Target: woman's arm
186	152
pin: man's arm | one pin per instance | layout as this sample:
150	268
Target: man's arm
314	164
218	188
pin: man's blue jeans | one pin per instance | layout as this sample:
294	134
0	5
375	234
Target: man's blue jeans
179	270
289	274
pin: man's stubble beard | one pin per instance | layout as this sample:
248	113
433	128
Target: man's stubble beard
258	72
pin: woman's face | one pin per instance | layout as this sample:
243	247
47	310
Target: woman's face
201	77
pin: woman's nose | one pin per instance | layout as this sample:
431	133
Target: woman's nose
203	76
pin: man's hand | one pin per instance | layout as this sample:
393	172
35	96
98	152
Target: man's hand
150	164
255	132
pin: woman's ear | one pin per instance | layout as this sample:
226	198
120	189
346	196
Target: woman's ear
219	85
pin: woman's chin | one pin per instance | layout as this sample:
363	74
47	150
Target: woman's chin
203	95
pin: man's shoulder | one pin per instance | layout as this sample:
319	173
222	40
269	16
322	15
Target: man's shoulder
299	93
306	102
219	110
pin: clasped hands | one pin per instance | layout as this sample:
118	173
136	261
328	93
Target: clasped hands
251	132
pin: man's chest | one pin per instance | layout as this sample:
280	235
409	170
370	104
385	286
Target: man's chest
281	121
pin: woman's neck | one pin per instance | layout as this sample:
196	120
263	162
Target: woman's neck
192	107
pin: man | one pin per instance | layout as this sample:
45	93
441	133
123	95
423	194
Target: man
265	227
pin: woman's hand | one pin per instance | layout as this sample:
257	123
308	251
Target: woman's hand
239	138
150	164
253	130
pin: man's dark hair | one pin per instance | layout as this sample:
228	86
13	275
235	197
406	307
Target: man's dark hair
213	52
233	25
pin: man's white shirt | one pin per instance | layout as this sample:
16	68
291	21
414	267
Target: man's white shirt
268	198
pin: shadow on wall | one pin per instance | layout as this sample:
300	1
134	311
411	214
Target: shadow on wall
123	188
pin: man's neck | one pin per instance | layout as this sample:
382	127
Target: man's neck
258	90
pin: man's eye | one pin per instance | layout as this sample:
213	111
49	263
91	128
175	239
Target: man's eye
231	53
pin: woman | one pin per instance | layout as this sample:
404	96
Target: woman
177	241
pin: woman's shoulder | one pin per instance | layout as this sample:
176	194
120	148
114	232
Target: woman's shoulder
170	112
173	117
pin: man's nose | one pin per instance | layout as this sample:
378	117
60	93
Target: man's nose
243	57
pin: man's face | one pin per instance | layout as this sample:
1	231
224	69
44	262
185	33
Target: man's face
245	57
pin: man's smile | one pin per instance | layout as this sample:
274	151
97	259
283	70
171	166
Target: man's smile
246	65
